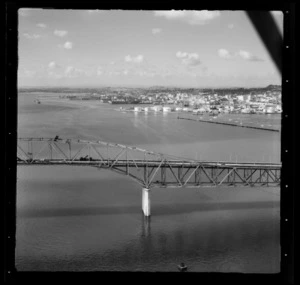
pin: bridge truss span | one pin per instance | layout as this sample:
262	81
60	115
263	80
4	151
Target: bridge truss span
150	169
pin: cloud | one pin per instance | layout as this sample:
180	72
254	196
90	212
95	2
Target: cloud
72	72
53	65
191	17
189	59
137	59
248	56
231	26
145	73
113	73
24	12
54	75
60	33
68	45
33	36
224	53
23	72
95	11
41	25
99	71
277	13
156	31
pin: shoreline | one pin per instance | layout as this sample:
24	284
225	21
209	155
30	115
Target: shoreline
179	114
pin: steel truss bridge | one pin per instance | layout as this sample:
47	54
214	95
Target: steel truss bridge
149	169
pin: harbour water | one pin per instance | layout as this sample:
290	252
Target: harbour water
84	219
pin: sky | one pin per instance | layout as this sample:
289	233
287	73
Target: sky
142	48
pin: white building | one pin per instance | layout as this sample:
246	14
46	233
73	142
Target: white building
166	109
156	108
240	97
278	109
247	98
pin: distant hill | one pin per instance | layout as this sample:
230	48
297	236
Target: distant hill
233	90
273	87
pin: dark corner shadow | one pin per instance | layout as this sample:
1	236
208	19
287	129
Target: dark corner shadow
157	210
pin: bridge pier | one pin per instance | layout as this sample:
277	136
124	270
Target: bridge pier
146	202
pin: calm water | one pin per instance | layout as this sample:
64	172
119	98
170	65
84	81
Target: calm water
72	218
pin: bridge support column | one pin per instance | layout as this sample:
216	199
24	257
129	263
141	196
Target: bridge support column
146	201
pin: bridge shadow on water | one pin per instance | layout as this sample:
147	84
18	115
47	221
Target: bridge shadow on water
157	210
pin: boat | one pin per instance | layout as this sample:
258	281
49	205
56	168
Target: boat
182	267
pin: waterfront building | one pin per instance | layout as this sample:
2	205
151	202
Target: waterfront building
245	111
278	109
156	108
269	109
240	98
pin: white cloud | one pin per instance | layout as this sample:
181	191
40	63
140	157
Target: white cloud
125	72
41	25
190	59
54	75
72	72
248	56
191	17
33	36
24	12
53	65
231	26
277	13
137	59
68	45
156	31
60	33
95	11
224	53
144	73
23	72
99	71
113	73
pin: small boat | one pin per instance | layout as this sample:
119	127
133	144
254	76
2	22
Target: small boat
182	267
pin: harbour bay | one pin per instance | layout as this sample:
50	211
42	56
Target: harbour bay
87	219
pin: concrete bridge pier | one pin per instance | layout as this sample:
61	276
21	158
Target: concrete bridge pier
146	202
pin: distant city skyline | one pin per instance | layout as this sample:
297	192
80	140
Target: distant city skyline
197	49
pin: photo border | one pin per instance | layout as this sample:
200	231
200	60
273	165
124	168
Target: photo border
288	146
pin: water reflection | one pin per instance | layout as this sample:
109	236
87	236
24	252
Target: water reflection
204	236
146	226
158	210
